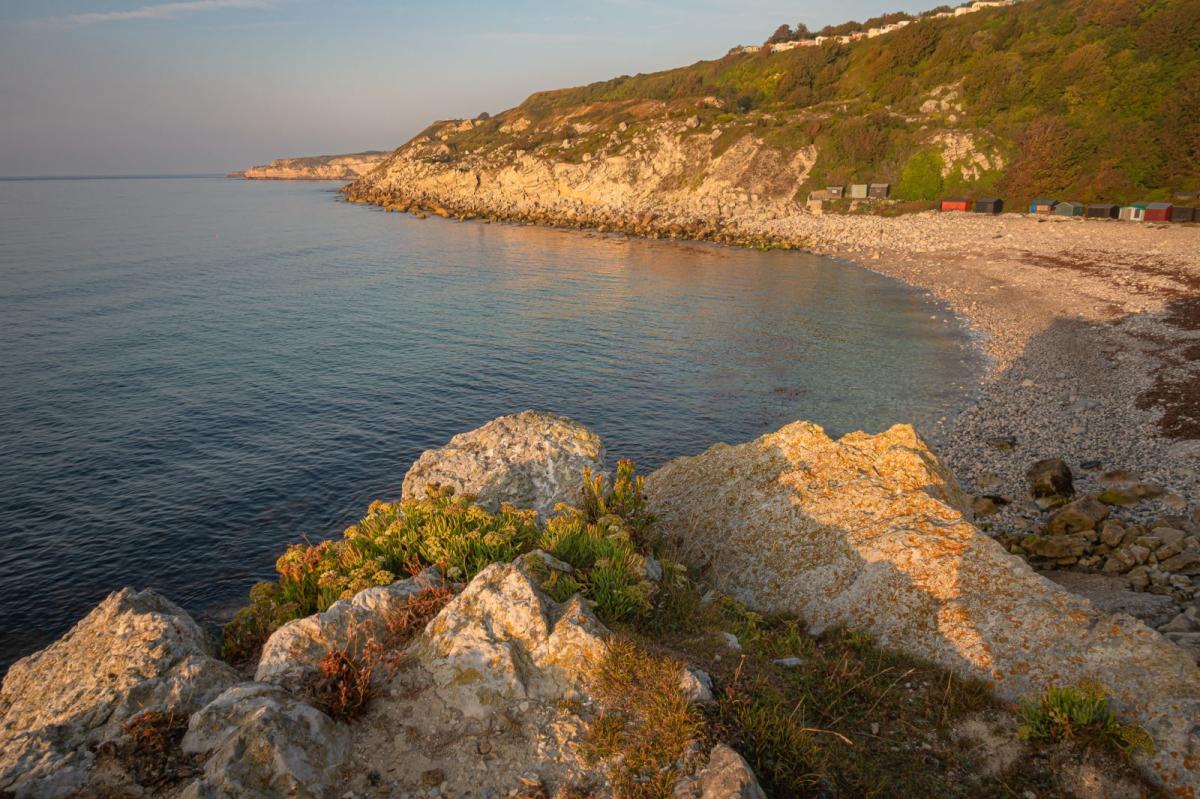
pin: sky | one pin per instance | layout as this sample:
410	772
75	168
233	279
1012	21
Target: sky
108	87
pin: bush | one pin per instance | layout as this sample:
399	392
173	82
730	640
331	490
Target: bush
921	178
1064	713
605	539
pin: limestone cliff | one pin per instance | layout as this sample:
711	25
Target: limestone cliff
320	167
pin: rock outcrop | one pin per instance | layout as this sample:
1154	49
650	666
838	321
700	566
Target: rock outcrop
294	651
530	459
318	167
868	532
260	742
135	653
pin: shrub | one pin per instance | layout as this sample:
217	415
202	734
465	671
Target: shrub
348	674
1082	711
921	178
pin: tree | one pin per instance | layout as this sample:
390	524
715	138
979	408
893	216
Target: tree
782	34
802	32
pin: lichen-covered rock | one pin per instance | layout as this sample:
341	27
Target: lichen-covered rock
530	459
134	652
1050	478
727	776
868	532
503	639
260	742
294	651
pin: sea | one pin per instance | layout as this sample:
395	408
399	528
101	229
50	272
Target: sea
197	371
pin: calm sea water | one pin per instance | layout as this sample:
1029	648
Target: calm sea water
193	373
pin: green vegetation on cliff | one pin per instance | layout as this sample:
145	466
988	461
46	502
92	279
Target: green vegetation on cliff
1064	98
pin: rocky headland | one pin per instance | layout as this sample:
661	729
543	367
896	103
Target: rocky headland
789	615
319	167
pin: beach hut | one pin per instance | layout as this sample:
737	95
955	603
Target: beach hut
956	205
989	205
1101	211
836	191
879	191
858	191
1042	206
1068	209
1134	212
1158	212
1181	214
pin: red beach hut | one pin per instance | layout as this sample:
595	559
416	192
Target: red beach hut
956	205
1158	212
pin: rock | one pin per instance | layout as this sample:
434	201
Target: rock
294	651
1050	478
1055	547
1188	642
696	686
134	652
1002	442
868	532
260	741
653	570
728	776
1082	514
531	459
502	638
1111	595
1186	562
731	642
1112	532
789	663
983	507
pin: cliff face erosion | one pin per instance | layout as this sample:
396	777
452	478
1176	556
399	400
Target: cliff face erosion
320	167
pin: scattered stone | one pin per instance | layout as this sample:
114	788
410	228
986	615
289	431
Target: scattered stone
261	742
1082	514
789	663
1050	478
530	459
1002	442
982	507
732	642
696	686
135	652
727	776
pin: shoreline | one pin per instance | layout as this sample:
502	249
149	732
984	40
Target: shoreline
1091	328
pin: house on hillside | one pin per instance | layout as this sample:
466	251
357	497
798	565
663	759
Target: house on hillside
1134	212
1069	209
858	191
989	205
1042	206
956	204
1158	212
879	191
1101	211
836	191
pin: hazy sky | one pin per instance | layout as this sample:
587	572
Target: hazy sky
146	86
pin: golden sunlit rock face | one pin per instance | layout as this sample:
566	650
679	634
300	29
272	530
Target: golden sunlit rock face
870	532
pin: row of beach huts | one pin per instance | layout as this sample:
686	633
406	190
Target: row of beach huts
1134	212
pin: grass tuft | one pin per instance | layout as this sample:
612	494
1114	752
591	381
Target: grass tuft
1080	712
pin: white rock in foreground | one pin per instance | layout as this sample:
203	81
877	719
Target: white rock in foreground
868	532
502	640
294	651
531	459
727	776
260	742
134	652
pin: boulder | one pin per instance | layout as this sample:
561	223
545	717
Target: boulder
1082	514
503	639
868	532
135	652
294	651
727	776
260	742
1050	478
1112	595
530	459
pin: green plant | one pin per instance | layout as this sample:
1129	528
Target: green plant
1079	711
645	726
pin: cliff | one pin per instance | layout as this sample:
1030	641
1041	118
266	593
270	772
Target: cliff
1074	100
320	167
593	653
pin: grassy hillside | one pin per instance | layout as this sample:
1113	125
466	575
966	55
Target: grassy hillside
1068	98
